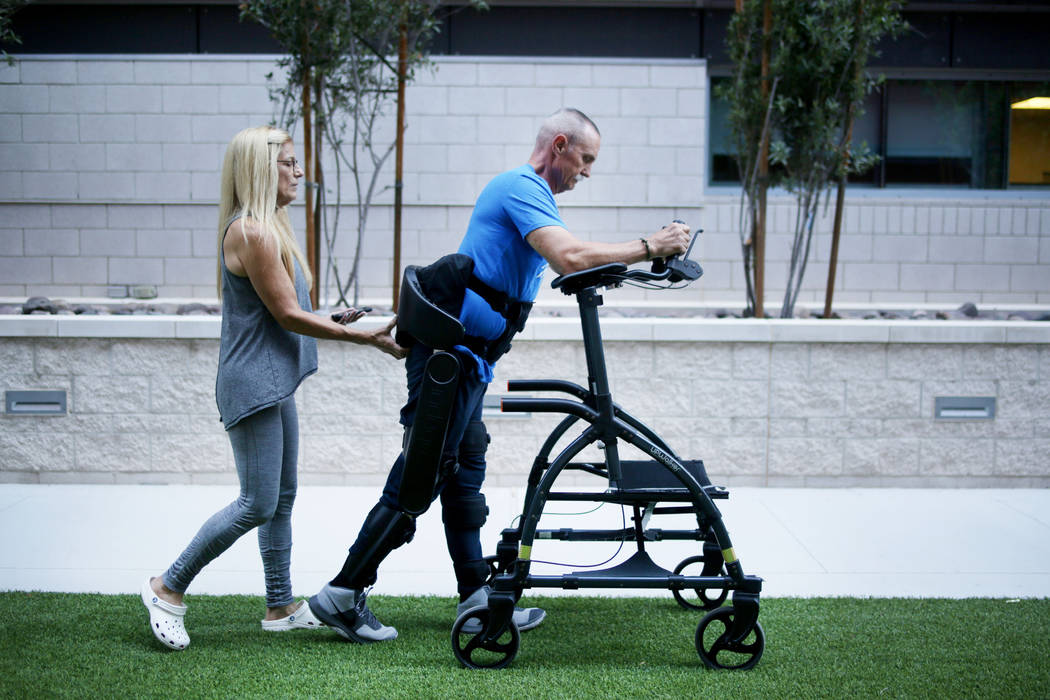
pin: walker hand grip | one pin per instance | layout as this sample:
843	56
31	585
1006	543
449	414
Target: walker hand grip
681	267
660	264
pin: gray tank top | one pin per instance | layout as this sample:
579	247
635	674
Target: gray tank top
260	363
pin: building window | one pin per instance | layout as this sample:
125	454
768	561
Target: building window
721	149
935	133
1030	137
932	133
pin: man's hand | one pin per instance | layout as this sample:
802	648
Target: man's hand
672	239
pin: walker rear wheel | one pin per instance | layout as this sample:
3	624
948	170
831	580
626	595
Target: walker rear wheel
707	601
472	651
718	651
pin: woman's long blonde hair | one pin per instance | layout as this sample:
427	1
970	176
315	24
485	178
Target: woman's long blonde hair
249	186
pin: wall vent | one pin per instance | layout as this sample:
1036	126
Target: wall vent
35	403
964	408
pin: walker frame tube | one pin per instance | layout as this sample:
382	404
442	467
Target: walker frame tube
607	424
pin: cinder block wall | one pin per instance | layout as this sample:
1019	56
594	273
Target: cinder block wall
111	165
758	412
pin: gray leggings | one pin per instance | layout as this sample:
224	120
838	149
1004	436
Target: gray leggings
265	448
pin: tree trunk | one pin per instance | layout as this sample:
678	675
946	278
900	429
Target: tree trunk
840	196
402	60
763	172
318	196
310	162
836	233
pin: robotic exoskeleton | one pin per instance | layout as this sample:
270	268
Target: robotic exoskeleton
428	309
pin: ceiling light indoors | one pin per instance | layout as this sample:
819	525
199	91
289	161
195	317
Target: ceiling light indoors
1032	103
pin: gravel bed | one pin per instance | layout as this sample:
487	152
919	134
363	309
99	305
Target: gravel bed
967	311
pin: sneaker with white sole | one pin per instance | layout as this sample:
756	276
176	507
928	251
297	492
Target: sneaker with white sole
346	612
526	618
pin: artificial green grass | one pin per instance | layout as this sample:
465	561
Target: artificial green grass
100	646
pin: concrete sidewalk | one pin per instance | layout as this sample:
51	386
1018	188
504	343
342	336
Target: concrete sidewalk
803	542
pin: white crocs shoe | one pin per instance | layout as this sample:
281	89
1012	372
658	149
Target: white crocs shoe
165	619
302	618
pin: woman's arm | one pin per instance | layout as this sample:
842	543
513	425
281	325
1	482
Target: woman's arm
246	250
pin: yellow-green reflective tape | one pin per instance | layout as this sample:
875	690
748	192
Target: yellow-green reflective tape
729	555
525	552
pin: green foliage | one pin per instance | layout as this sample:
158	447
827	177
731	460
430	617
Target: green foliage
822	86
814	89
339	43
8	8
345	54
65	645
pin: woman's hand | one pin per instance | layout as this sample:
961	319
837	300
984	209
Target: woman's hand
347	317
383	339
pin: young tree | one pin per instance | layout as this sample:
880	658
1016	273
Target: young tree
345	63
873	21
749	93
796	100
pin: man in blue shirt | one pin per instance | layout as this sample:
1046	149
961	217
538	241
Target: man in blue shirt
514	233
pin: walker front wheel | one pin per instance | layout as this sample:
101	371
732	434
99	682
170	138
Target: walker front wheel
716	648
473	651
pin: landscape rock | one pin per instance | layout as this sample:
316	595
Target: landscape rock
36	305
196	309
40	305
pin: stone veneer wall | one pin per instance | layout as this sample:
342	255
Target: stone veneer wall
116	164
777	403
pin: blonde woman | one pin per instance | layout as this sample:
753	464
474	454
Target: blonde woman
266	349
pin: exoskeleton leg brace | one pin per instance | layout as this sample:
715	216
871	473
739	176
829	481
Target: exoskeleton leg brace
385	528
425	459
425	443
465	514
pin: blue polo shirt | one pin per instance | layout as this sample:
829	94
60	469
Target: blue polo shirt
512	205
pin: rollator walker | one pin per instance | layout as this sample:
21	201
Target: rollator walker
728	637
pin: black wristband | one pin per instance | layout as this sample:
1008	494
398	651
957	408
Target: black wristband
648	250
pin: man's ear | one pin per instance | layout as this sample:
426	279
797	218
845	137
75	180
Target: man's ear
560	143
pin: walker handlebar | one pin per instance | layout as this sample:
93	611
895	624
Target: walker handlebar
680	267
672	270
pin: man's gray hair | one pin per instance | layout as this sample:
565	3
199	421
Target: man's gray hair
569	121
